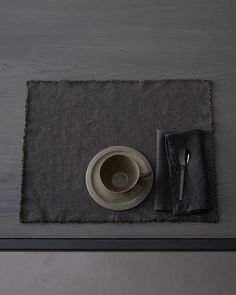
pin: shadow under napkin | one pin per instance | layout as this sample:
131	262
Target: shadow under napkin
68	122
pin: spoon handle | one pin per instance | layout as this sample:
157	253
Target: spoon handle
181	187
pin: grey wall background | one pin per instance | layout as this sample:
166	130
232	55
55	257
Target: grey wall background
117	273
116	39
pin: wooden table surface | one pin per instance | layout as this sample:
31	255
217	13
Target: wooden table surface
116	39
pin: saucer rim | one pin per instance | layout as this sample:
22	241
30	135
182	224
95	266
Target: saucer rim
138	199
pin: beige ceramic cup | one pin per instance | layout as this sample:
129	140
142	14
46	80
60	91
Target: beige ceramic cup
119	173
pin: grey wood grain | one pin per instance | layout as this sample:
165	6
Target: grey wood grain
152	39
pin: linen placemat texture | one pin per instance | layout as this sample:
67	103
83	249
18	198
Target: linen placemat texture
68	122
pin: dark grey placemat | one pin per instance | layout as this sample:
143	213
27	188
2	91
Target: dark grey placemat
68	122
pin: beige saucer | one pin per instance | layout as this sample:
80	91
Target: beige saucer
121	201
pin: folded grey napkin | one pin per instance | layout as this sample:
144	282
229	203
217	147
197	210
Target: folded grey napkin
168	173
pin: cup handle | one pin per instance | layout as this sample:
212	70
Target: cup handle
145	175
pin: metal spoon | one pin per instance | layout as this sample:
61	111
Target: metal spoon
184	157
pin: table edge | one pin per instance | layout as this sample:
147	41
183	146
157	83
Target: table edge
117	244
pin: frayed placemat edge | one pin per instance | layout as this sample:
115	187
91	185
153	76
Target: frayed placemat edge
24	154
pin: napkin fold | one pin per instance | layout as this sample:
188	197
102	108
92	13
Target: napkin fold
195	194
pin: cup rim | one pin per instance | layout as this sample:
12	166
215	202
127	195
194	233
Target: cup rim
128	187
